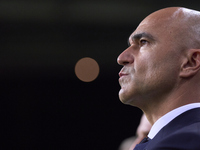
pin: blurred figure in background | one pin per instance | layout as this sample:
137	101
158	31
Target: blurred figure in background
142	132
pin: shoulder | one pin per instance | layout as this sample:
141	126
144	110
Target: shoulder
187	138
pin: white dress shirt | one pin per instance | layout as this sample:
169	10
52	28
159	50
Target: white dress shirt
164	120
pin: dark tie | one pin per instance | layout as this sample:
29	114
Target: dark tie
142	144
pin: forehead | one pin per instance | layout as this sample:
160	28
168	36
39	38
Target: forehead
154	28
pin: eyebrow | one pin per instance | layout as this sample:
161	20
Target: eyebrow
140	35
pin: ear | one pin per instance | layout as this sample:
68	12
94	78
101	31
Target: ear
191	65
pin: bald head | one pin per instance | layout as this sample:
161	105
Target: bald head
184	23
179	28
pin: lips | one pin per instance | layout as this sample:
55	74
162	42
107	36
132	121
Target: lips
123	79
121	74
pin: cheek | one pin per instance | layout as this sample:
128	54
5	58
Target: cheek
142	67
150	69
161	74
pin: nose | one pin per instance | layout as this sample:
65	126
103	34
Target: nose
125	57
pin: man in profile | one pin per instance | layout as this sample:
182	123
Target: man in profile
161	76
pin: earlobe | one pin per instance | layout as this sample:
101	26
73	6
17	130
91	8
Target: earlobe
191	65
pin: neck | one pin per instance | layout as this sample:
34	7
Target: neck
180	96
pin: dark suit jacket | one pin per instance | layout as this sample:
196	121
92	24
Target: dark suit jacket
182	133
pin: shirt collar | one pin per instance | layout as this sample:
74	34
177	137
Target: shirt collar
164	120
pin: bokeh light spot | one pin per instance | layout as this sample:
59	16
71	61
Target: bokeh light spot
87	69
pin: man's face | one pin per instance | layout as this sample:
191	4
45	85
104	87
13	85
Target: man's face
151	63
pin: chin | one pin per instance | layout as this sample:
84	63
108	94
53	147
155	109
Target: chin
129	99
124	98
127	102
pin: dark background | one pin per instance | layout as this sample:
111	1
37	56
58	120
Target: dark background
43	104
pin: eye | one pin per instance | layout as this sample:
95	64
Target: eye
143	42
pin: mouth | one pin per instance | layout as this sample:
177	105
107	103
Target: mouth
121	74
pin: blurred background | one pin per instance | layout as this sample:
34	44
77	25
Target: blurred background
43	104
